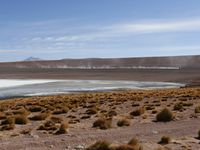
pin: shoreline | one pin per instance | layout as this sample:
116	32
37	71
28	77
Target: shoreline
94	86
77	93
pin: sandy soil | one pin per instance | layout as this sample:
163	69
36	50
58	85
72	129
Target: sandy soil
189	76
183	129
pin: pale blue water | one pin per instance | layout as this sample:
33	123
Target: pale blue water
15	88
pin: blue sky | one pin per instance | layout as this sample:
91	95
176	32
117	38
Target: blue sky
56	29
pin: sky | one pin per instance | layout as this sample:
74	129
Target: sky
57	29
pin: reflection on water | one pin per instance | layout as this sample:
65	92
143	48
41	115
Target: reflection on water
14	88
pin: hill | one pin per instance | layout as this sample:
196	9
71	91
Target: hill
175	62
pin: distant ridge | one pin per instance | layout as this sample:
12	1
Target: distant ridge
33	59
170	62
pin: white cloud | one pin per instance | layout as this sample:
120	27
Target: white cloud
177	48
158	26
125	29
8	51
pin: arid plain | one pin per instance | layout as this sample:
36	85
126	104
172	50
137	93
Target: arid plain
113	120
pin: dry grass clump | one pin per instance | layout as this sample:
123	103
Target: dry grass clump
86	117
20	111
40	116
56	119
2	116
8	120
165	140
55	125
123	122
188	104
135	144
74	121
154	112
100	145
178	106
198	134
8	123
197	109
135	104
105	145
7	127
61	110
103	123
162	148
112	113
150	107
92	111
35	108
124	147
26	131
63	128
165	115
139	111
21	119
48	125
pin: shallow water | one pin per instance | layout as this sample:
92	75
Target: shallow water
17	88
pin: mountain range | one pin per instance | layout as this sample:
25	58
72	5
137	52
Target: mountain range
171	62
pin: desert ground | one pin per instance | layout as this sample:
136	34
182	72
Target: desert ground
164	119
187	76
153	119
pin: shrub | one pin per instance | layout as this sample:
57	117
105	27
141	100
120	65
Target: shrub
139	111
48	125
133	141
62	110
26	131
21	111
198	134
91	111
21	119
154	111
7	127
103	123
41	116
165	115
123	122
125	147
187	104
165	140
63	128
56	119
162	148
8	120
100	145
85	117
178	106
112	113
35	108
197	109
135	144
2	116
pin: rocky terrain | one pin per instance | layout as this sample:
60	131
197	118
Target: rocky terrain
134	120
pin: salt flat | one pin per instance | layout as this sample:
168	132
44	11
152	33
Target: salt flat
17	88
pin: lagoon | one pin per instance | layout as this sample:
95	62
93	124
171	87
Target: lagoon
21	88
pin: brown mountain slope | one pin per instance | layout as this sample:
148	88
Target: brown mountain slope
152	62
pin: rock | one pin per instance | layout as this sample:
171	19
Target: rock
68	147
79	147
155	132
35	136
